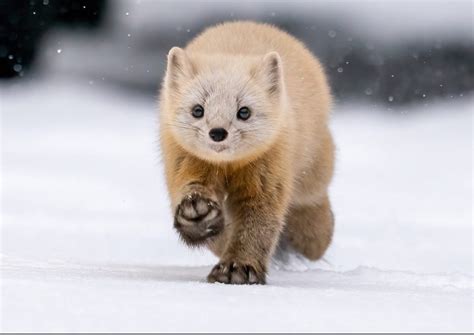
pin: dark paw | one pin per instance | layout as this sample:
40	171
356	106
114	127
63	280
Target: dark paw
236	273
198	218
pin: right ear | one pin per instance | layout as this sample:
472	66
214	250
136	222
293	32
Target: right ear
179	67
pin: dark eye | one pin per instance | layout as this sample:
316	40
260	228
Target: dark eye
243	113
198	111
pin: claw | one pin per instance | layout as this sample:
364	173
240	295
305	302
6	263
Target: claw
235	273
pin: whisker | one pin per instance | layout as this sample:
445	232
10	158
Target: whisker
186	127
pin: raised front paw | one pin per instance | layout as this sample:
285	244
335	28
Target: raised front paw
236	273
198	218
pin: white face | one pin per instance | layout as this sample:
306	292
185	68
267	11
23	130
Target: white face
221	120
223	114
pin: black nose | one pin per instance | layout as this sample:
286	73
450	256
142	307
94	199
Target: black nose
218	134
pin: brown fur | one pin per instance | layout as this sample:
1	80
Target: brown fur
239	201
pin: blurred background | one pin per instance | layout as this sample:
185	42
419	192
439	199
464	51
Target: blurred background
393	52
87	239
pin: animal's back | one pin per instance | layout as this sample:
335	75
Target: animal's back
307	89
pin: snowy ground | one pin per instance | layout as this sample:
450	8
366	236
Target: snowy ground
87	243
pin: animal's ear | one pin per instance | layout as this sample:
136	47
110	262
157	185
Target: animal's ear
271	72
179	67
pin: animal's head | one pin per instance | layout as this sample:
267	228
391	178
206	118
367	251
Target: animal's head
223	108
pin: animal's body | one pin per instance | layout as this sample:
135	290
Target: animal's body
246	146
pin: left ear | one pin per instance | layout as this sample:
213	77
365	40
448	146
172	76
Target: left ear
271	73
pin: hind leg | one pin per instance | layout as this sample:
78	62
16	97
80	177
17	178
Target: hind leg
309	228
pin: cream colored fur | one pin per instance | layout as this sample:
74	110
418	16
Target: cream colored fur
269	178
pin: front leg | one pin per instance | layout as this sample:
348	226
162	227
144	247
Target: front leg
256	230
257	221
196	196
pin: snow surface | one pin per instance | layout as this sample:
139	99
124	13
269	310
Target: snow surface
87	242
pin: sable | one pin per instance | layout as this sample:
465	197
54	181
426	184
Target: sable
253	163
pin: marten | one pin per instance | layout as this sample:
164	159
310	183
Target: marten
248	154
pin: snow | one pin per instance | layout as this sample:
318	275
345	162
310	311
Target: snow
88	244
